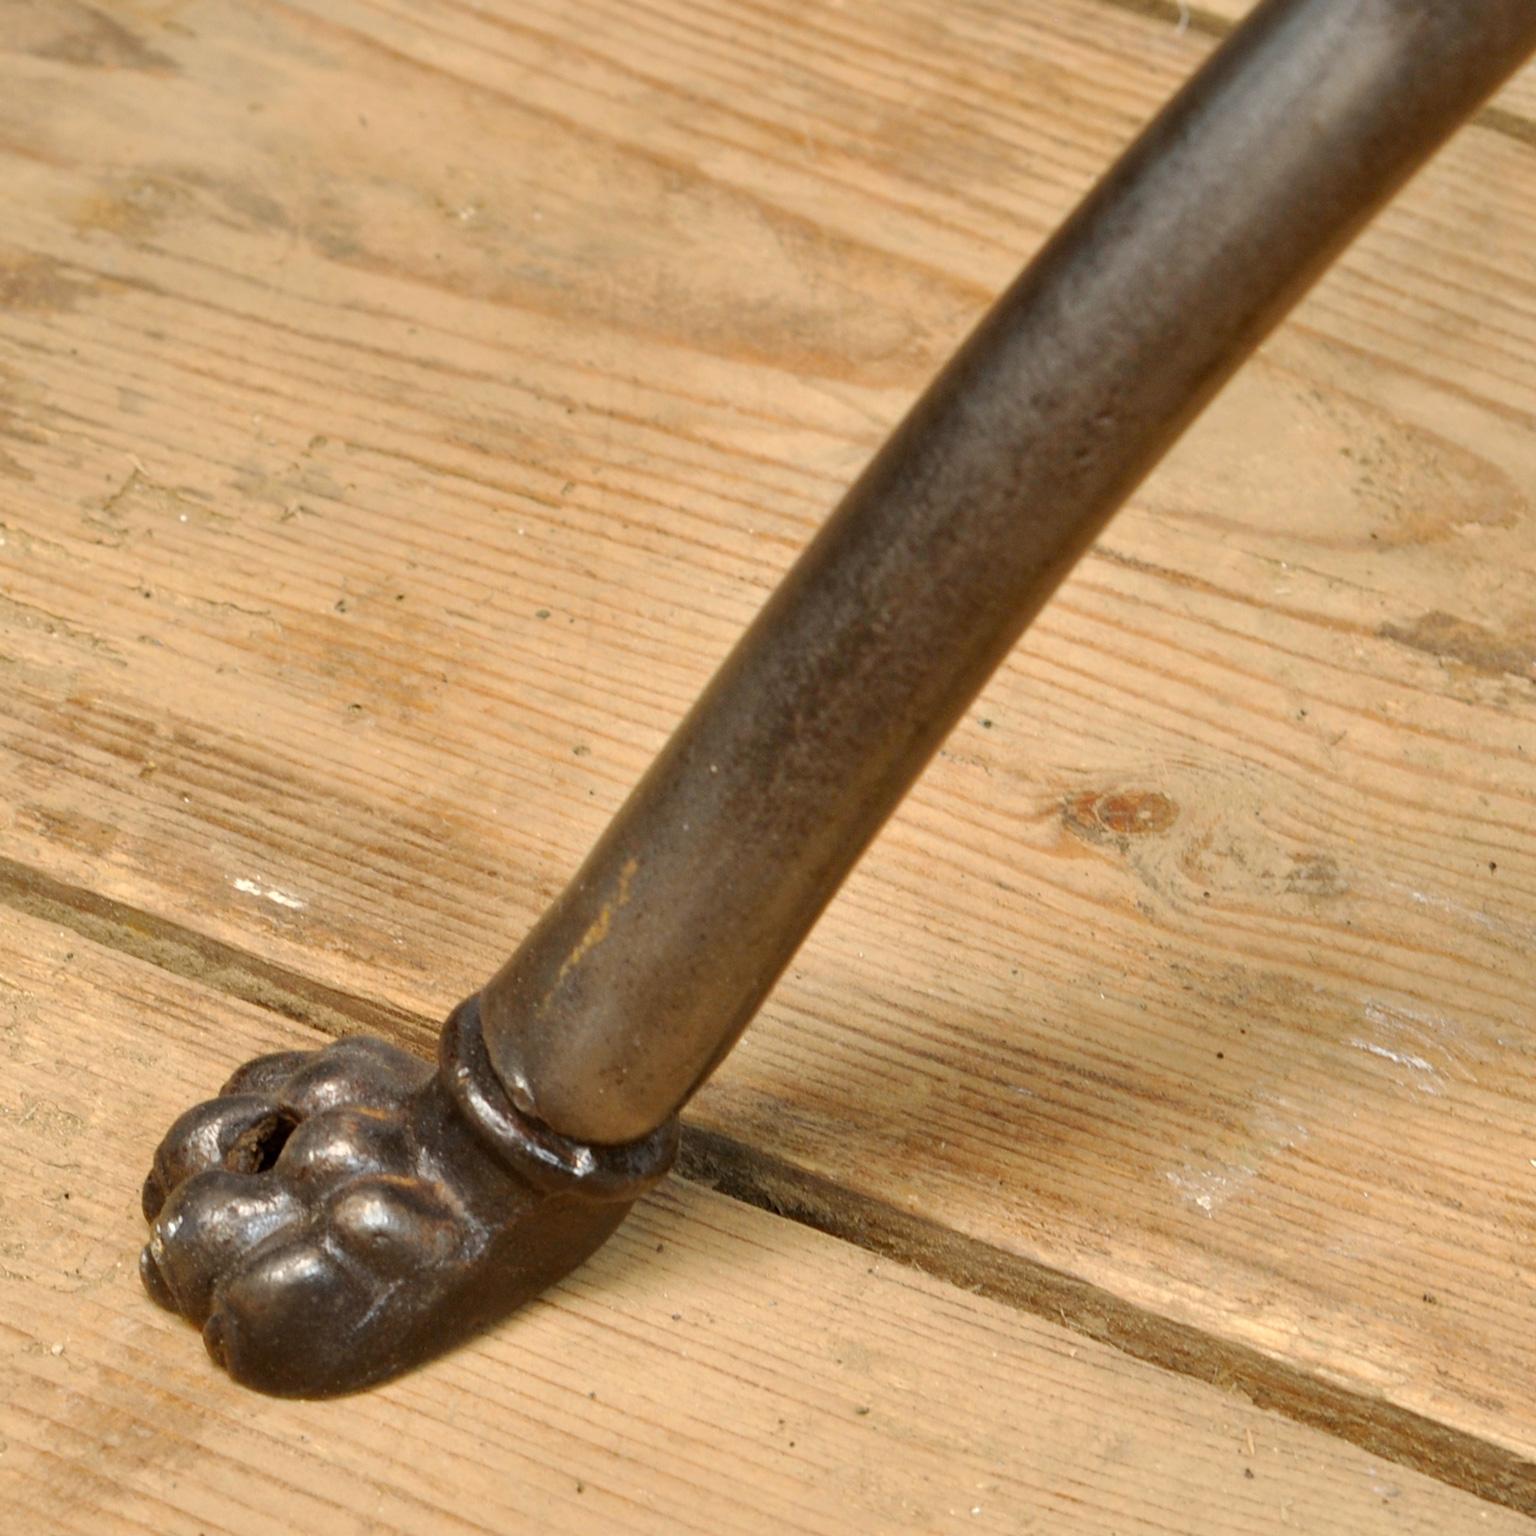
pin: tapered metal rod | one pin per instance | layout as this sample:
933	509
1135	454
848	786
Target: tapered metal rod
334	1217
645	971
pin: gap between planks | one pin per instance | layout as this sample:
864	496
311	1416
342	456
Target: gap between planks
752	1177
713	1369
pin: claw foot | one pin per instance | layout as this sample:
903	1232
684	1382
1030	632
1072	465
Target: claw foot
335	1217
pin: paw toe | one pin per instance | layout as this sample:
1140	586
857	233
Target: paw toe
266	1074
344	1143
208	1226
242	1133
394	1226
360	1072
288	1322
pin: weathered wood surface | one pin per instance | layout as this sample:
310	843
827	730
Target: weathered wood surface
715	1370
403	406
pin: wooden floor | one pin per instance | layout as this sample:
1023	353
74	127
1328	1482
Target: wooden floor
403	403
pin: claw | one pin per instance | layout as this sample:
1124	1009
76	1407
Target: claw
154	1281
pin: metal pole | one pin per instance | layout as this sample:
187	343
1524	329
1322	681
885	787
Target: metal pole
644	972
334	1217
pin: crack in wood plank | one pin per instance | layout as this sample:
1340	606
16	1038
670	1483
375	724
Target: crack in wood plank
196	957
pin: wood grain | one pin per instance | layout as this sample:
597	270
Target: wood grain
404	405
714	1370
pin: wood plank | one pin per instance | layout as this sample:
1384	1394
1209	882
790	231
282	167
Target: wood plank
405	406
715	1369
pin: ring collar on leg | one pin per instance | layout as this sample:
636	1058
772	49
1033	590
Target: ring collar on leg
544	1157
